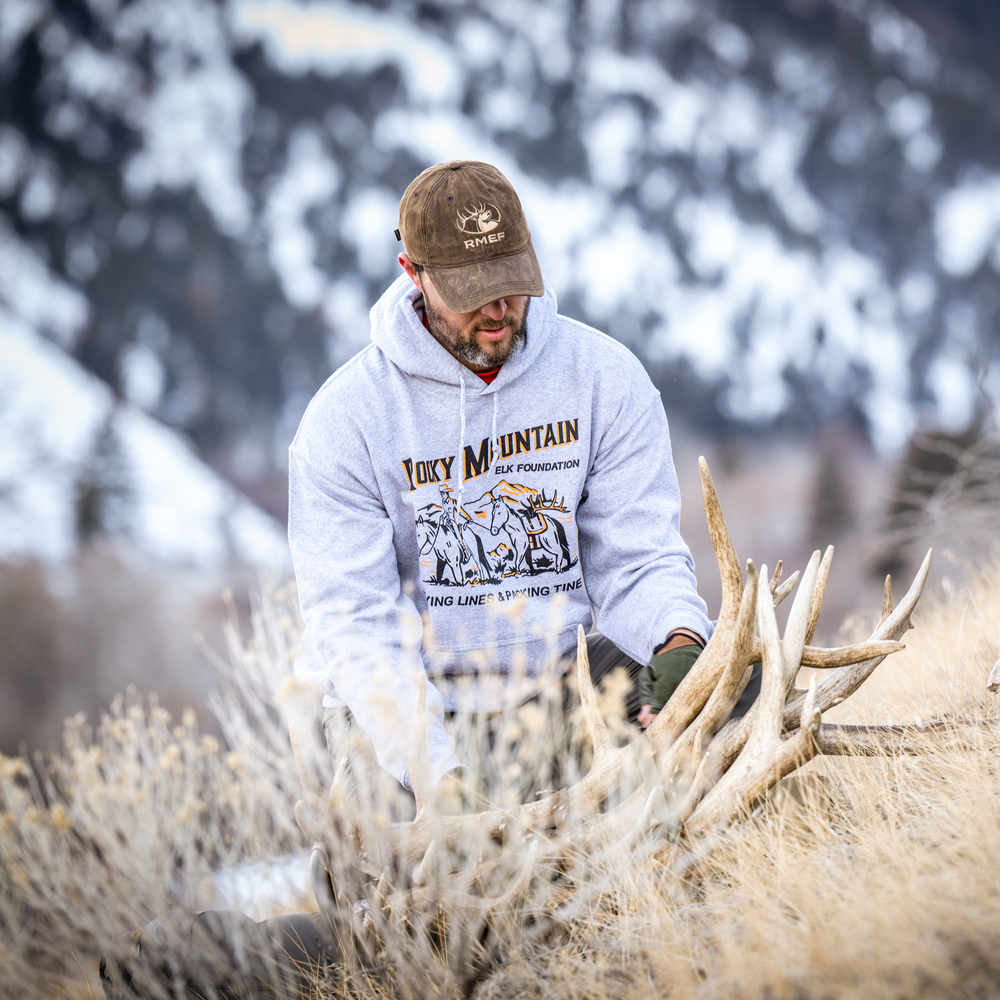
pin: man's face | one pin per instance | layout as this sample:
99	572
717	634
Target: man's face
483	338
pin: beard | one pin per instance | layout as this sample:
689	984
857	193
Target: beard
462	342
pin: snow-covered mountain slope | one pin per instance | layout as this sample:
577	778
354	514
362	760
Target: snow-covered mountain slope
649	238
788	208
76	462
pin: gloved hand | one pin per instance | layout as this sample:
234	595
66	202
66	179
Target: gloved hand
664	672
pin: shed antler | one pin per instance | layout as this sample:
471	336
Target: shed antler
688	776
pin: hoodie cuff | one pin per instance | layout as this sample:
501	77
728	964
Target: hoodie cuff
681	619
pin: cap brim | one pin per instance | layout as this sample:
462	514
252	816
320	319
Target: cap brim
464	289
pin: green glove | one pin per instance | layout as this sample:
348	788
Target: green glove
664	672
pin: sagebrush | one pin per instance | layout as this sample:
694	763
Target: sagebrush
860	877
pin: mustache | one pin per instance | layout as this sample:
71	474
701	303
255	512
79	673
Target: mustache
507	321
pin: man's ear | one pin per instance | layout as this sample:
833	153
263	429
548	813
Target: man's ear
408	267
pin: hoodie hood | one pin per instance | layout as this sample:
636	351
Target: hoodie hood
399	333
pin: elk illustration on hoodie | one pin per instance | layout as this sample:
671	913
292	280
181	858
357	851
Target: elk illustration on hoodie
453	532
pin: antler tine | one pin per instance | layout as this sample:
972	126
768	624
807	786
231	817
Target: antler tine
899	620
773	665
886	599
319	864
685	751
338	787
734	678
993	681
692	693
819	593
777	575
837	656
722	543
307	824
802	617
848	679
762	723
786	757
588	698
424	870
732	681
780	593
765	758
893	741
841	656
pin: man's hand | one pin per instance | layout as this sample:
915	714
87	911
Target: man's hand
667	668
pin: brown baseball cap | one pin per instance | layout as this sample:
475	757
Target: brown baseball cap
462	221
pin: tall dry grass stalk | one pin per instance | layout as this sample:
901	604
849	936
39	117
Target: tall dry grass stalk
860	878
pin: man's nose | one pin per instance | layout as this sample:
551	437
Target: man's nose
495	310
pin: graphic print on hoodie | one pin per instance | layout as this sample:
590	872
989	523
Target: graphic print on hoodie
511	531
446	529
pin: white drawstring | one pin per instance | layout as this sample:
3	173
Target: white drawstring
461	435
494	435
461	439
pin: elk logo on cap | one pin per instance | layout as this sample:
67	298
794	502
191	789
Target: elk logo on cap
481	218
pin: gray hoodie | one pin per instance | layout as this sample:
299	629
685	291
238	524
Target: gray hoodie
443	527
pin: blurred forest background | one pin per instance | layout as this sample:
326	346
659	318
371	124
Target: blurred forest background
789	209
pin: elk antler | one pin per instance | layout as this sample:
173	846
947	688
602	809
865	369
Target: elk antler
685	778
541	502
477	210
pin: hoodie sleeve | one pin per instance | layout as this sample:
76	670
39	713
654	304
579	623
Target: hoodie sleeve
637	569
363	632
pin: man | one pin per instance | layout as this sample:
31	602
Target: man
481	480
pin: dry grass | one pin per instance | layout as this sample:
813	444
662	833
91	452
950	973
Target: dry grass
131	819
881	882
887	889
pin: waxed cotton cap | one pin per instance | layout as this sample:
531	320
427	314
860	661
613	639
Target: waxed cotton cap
463	222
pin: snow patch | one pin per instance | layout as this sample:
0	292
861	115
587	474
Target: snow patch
368	224
53	412
35	295
954	388
967	225
626	264
194	124
193	131
310	178
612	141
333	38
